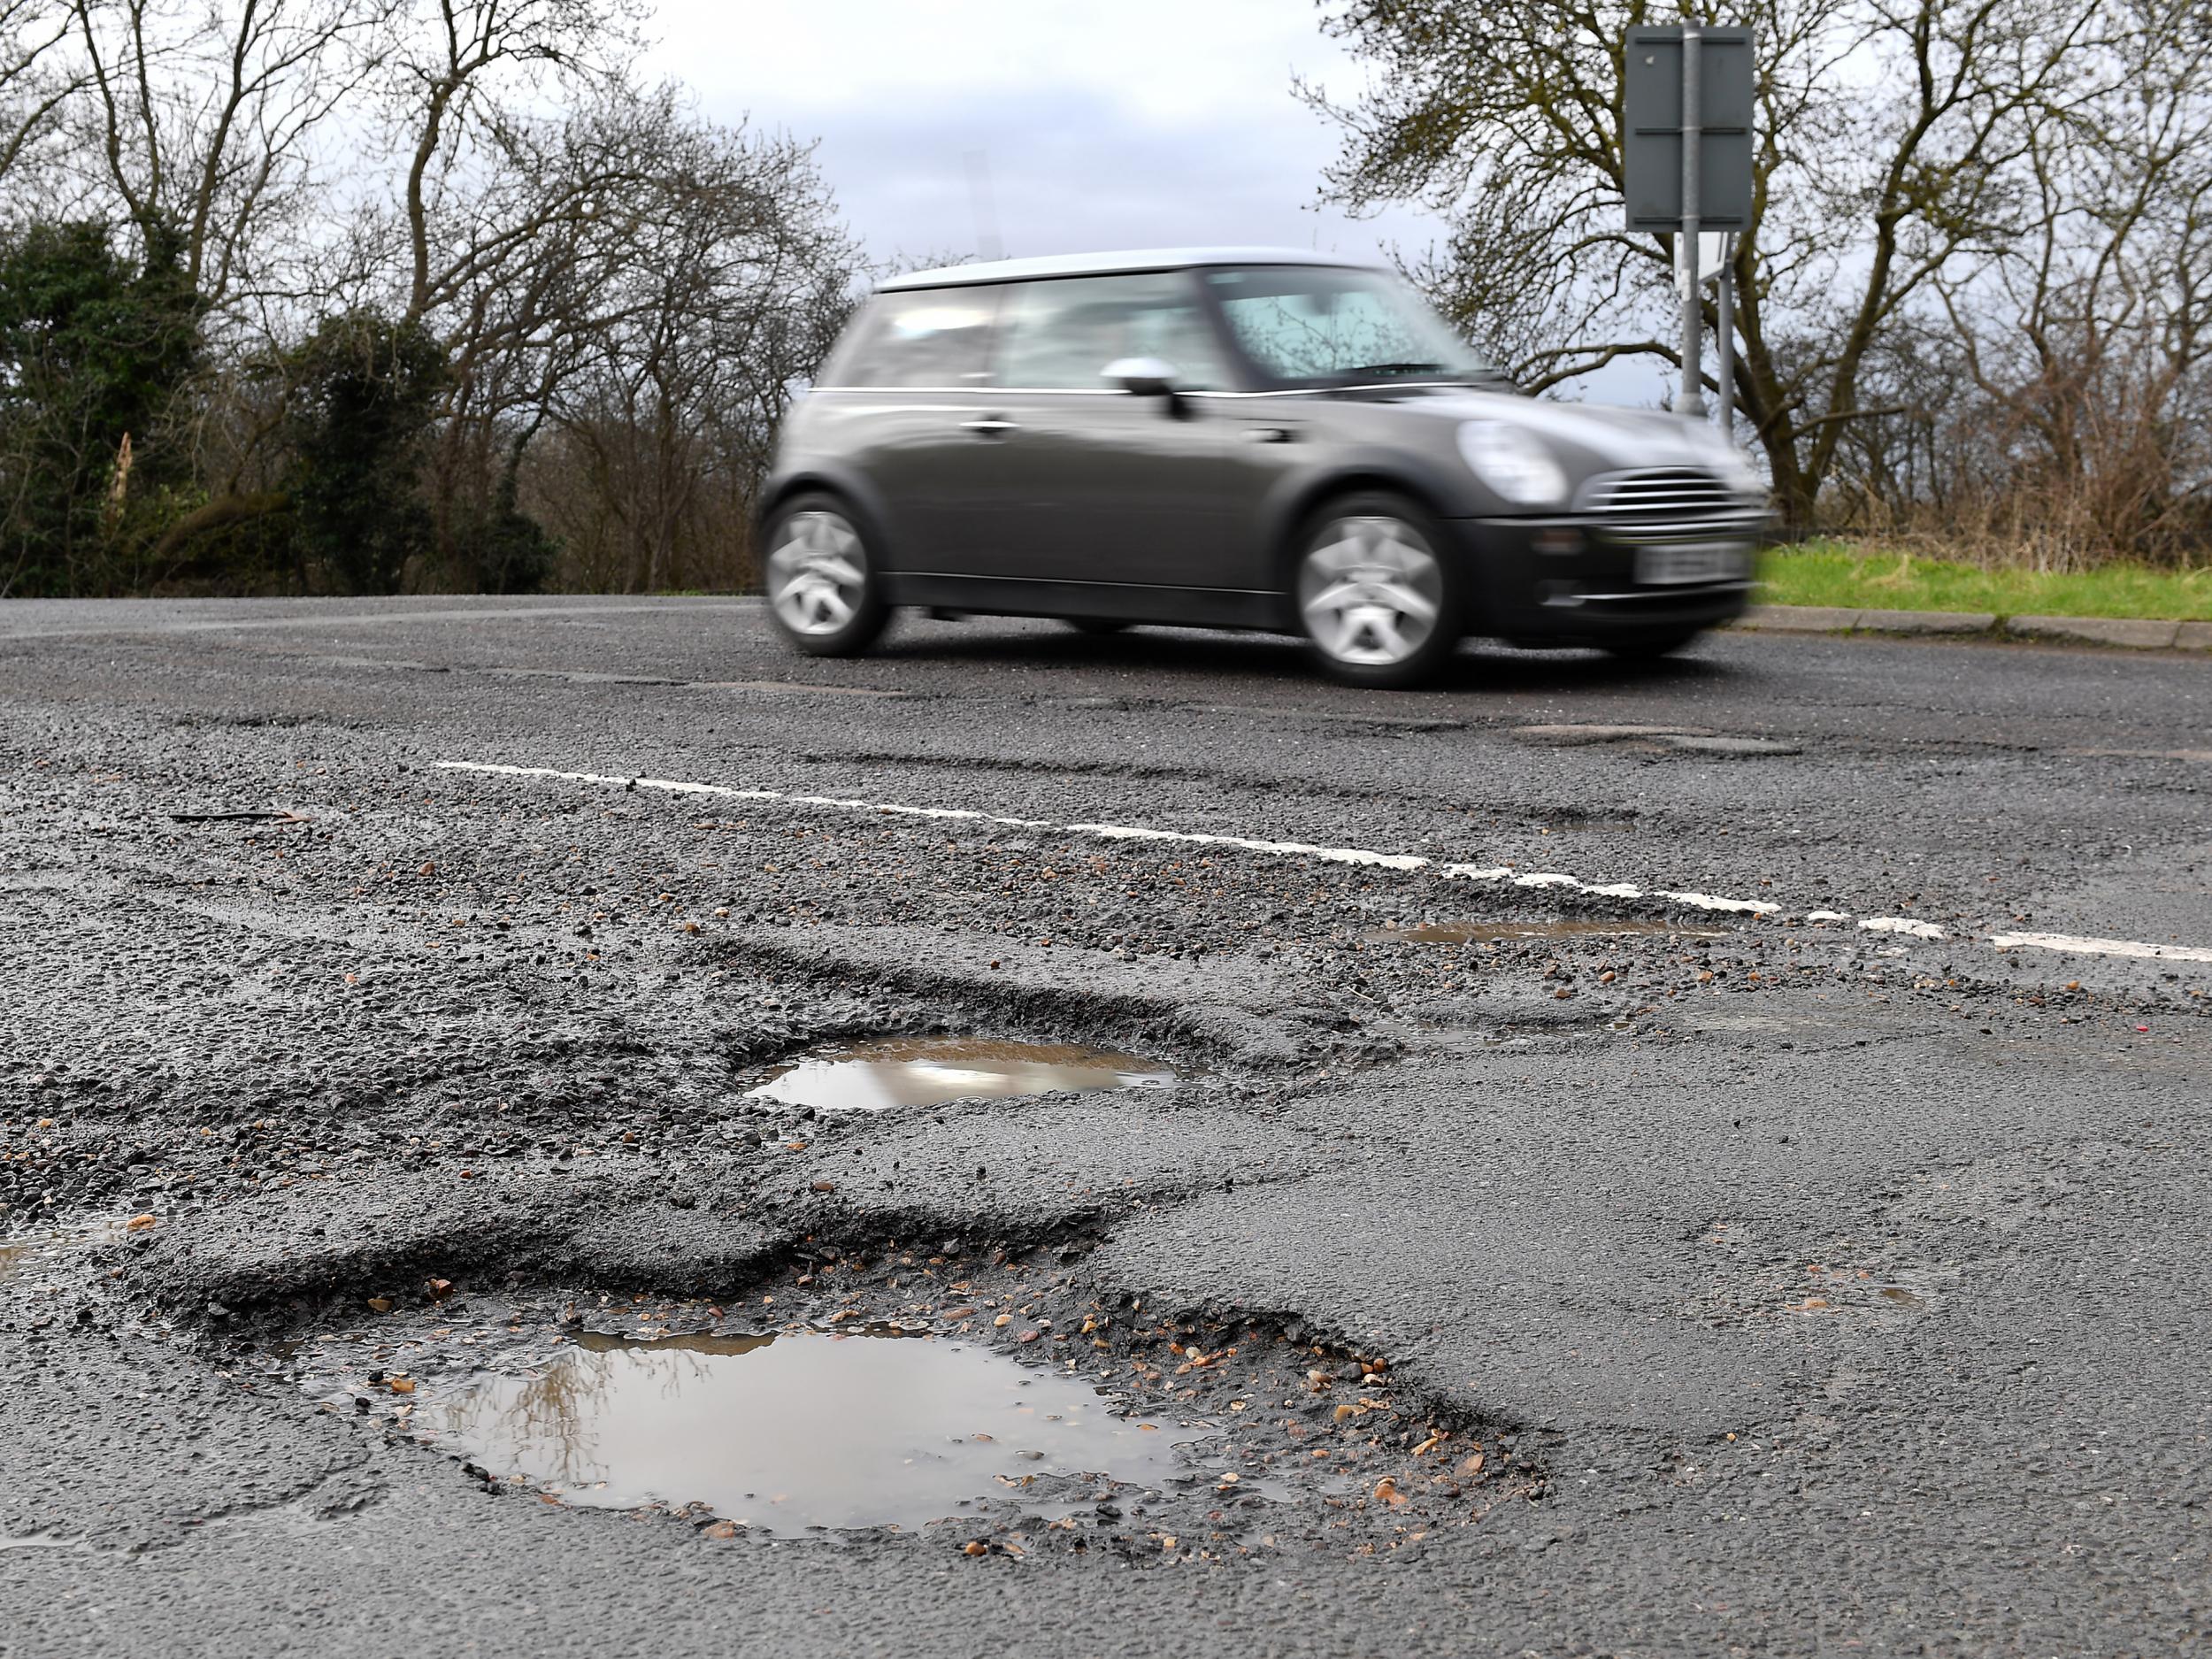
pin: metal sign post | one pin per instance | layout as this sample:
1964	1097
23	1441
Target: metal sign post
1724	336
1691	404
1686	161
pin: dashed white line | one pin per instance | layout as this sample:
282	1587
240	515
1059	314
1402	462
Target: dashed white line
2101	947
1900	924
1909	926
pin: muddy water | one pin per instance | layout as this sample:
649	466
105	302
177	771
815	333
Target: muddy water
808	1428
930	1070
1571	927
29	1251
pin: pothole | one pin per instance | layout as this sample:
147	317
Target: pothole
1154	1435
1654	738
808	1429
1569	927
930	1071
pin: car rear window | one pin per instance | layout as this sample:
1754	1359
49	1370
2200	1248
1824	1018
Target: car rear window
927	337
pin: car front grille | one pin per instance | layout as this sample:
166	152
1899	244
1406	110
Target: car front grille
1673	492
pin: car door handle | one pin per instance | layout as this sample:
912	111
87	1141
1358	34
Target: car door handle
1267	434
988	426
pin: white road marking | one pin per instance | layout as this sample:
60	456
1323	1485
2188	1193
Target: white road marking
2101	947
1355	855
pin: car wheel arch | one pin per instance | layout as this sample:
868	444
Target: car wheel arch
1287	529
853	493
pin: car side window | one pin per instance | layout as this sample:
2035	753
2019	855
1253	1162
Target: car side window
1061	334
937	337
1302	324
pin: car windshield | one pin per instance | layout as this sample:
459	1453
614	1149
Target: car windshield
1339	325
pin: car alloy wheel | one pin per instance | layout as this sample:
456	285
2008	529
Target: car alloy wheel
1371	592
818	573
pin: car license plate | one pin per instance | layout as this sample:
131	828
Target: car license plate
1692	561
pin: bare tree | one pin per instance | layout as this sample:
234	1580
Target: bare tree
2087	328
201	126
36	79
472	215
679	362
1887	133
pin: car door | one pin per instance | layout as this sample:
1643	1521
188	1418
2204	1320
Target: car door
898	409
1105	503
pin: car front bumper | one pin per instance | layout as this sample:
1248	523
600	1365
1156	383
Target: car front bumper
1577	580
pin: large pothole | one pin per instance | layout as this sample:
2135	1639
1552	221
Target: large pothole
1001	1404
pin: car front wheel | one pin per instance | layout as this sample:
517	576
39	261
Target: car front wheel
823	593
1376	598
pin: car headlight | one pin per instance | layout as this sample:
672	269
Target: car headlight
1512	463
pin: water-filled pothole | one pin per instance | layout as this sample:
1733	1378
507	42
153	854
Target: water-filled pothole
808	1428
930	1071
1569	927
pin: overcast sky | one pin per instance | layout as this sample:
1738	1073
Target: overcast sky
1100	124
1105	124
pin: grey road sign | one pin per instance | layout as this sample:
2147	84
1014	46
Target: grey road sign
1651	136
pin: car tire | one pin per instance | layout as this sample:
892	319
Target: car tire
1374	590
1649	647
824	593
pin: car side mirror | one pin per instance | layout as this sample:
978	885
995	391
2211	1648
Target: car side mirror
1140	377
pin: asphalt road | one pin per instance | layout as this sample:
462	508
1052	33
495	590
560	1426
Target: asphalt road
1806	1286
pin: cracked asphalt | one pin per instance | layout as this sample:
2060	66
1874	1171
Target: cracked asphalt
1805	1288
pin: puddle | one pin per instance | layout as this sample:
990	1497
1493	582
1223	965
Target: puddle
809	1429
1571	927
27	1250
930	1070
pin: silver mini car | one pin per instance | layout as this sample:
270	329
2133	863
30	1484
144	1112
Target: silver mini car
1234	438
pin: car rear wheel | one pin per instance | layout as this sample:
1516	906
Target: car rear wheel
823	593
1376	600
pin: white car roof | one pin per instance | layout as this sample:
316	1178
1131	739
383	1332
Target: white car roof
1106	263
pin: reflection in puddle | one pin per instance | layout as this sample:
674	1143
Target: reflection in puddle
930	1070
1570	927
808	1428
34	1250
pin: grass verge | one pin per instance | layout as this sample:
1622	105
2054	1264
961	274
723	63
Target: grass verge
1841	573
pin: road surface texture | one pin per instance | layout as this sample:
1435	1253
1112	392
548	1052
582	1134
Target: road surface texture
1772	1218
